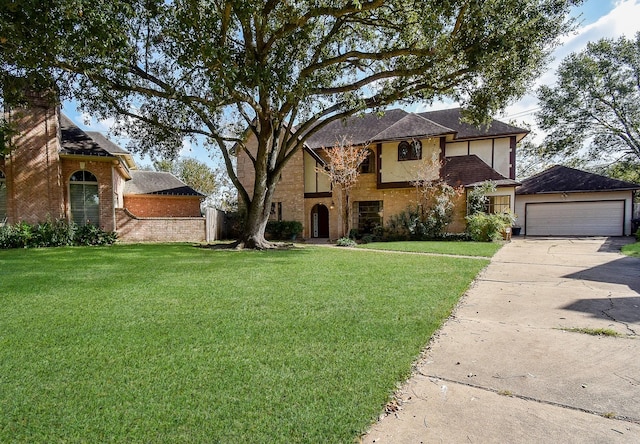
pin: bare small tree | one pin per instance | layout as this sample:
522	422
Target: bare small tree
343	169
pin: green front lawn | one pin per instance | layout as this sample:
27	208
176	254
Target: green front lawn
171	343
632	249
483	249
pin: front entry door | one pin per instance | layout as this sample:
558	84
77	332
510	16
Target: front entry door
320	221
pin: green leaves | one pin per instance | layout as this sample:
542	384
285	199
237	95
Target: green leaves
596	103
169	70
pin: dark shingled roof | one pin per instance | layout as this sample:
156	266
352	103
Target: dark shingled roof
451	119
562	179
75	141
157	182
397	124
471	171
105	143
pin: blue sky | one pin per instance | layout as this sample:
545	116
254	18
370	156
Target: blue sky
598	19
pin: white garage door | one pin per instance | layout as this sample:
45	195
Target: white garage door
602	218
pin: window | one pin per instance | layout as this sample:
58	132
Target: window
410	150
369	164
83	196
276	211
3	198
369	216
497	204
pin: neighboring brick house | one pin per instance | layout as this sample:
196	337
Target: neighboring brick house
55	170
398	141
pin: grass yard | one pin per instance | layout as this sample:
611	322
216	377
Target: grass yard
482	249
171	343
632	249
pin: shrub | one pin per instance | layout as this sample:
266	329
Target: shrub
57	233
283	230
419	223
53	234
91	235
638	235
483	227
346	242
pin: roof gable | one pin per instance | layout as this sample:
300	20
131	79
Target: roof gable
358	130
75	141
471	171
562	179
412	125
451	118
397	124
158	182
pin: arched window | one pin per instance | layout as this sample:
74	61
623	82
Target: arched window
369	164
410	150
3	198
83	193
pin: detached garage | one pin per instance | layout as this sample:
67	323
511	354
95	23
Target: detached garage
563	201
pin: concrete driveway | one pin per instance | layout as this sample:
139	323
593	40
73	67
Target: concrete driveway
504	369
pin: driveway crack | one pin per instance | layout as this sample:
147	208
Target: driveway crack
608	315
530	398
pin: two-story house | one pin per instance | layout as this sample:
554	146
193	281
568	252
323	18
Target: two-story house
398	143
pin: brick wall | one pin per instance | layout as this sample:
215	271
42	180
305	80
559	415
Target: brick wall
104	171
290	189
32	169
137	229
146	205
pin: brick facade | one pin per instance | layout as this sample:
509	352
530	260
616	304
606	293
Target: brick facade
137	229
38	171
104	172
145	205
34	161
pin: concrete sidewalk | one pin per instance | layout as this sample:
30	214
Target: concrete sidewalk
502	370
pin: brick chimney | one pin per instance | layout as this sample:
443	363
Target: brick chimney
32	168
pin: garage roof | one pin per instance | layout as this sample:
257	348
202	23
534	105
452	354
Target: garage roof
562	179
158	182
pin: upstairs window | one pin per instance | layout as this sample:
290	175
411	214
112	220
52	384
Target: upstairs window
410	150
369	164
83	197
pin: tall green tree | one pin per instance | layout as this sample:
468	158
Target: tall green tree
593	112
274	69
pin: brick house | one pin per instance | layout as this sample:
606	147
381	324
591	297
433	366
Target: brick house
398	142
55	170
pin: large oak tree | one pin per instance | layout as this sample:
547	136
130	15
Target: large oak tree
593	111
278	70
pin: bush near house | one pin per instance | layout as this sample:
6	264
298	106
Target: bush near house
283	229
483	227
58	233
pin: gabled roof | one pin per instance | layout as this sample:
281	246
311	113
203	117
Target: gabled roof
75	141
471	171
158	182
397	124
451	119
562	179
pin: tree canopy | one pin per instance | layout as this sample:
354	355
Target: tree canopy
593	112
273	69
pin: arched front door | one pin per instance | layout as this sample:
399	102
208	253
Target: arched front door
319	221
